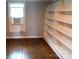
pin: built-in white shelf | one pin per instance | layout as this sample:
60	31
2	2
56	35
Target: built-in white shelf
61	52
58	28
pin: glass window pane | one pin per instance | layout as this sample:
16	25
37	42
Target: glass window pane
16	12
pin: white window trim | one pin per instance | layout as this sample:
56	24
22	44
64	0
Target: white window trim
16	7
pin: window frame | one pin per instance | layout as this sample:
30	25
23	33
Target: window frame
15	7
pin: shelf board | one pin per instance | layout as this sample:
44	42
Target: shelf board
63	18
50	16
62	39
51	26
50	11
47	36
65	54
49	23
59	8
63	29
64	12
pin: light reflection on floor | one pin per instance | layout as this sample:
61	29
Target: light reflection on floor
18	55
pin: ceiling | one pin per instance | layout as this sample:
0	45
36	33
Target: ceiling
30	0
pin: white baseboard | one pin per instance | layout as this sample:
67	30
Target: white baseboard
26	37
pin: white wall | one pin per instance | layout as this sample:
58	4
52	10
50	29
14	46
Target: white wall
7	26
29	0
34	13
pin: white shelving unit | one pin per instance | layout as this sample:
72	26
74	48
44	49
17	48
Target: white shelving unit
58	28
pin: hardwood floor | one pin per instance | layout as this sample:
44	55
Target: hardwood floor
29	49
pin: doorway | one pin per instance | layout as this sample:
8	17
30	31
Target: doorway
16	19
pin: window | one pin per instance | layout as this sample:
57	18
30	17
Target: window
16	10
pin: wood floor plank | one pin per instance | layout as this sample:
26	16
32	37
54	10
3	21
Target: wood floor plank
29	49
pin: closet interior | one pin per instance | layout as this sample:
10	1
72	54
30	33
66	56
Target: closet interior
56	27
